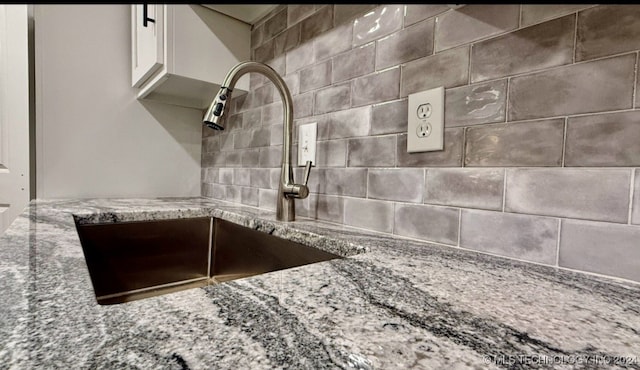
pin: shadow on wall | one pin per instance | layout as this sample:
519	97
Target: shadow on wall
179	122
225	28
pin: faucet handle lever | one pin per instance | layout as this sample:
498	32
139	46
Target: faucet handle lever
307	172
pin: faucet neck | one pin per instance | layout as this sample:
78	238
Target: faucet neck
255	67
287	190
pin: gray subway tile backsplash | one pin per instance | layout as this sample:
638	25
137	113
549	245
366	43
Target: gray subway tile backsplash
252	118
275	24
264	52
532	143
541	126
413	42
225	176
260	177
574	193
345	123
271	156
389	118
601	85
473	22
476	104
210	175
300	57
296	13
226	141
354	63
377	23
530	238
249	196
600	247
339	181
396	184
451	156
278	64
333	42
276	134
274	178
533	48
319	22
253	138
315	77
267	199
369	214
372	152
210	144
607	30
287	40
436	224
465	187
303	104
321	207
536	13
602	140
635	214
346	12
331	153
233	194
449	69
257	36
293	83
376	88
417	12
241	176
333	98
250	157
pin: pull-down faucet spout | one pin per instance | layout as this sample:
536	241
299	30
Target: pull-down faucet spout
214	118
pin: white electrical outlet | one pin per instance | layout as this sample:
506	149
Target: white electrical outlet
425	130
307	143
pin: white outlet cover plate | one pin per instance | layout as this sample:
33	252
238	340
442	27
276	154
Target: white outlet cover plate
307	134
433	137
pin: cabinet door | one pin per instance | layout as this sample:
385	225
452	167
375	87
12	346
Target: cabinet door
147	41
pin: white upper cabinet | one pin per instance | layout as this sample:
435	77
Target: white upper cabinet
183	54
147	41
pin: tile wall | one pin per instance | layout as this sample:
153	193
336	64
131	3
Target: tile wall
542	130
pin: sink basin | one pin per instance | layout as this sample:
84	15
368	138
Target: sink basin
135	260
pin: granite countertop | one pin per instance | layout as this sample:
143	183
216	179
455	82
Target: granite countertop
401	304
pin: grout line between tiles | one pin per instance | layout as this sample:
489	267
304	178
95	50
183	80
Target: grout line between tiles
631	191
506	100
433	35
366	191
635	82
393	225
504	190
469	66
564	139
556	16
569	65
575	38
459	225
463	158
558	243
424	185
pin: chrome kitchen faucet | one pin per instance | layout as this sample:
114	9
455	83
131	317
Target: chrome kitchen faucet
214	118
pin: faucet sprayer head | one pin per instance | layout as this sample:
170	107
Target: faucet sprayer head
214	116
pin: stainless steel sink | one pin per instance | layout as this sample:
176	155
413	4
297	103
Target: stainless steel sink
135	260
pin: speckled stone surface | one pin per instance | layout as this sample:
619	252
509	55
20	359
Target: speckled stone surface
401	304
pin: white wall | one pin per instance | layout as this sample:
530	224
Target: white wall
93	138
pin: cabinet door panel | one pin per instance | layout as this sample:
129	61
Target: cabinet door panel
147	42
